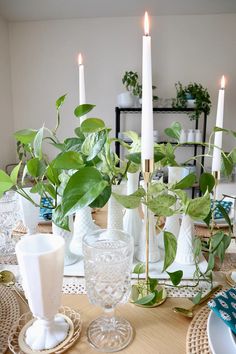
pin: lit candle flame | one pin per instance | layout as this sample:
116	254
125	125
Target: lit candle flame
80	59
222	83
146	24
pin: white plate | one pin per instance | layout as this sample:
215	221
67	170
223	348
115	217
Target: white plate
220	337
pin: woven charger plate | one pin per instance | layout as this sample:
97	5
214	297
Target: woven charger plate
9	314
197	340
73	315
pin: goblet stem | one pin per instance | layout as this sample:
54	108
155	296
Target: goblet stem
7	245
110	315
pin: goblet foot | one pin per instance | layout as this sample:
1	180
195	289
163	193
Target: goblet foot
109	334
44	334
71	258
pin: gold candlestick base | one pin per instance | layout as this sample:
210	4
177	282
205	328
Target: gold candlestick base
216	175
143	288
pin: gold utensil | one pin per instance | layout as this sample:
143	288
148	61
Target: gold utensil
7	278
190	311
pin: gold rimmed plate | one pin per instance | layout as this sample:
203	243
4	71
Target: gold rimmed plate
15	336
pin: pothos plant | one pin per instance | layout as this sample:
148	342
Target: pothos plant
196	92
81	173
162	199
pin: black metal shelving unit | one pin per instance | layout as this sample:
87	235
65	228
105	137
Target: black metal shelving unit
119	111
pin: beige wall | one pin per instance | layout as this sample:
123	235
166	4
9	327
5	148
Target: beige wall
7	154
185	48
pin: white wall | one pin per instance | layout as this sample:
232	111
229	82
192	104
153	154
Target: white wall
7	154
185	48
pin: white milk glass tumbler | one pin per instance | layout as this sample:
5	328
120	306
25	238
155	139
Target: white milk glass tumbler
41	262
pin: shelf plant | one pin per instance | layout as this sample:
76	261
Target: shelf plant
131	82
195	92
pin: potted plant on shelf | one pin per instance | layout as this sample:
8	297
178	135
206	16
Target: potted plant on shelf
192	96
129	98
133	96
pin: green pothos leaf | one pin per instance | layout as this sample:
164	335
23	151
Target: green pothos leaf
197	298
139	268
146	299
175	277
170	244
60	220
130	201
15	172
83	109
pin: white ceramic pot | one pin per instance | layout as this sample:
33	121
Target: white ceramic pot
184	253
125	100
191	103
132	222
30	213
70	258
83	225
40	258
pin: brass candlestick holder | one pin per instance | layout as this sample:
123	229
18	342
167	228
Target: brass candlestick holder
216	175
144	285
148	167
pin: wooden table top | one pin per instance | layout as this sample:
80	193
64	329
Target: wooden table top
156	331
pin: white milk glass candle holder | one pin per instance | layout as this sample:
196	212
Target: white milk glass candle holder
108	256
41	262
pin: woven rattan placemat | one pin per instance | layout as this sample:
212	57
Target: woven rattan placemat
197	340
9	314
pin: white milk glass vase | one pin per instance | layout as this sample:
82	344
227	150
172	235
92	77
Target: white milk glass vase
175	174
70	257
154	254
132	222
184	253
29	211
40	258
83	224
115	209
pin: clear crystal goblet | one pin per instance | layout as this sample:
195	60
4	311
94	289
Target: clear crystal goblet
9	216
108	257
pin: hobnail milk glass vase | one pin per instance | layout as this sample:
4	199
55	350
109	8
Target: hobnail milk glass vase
184	253
40	258
70	257
83	224
30	212
115	210
154	254
108	258
175	174
132	222
172	225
